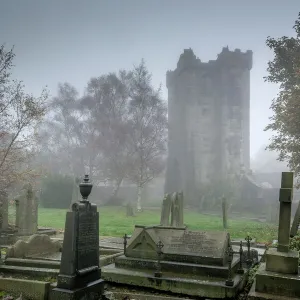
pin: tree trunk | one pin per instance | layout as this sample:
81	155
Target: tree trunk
139	199
116	188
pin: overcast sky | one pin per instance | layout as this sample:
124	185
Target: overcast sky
70	40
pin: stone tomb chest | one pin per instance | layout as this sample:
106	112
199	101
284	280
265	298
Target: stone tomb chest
194	263
180	244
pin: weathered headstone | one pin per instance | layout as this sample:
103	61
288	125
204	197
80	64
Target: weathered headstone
172	204
129	210
27	212
80	275
224	212
165	211
37	244
3	211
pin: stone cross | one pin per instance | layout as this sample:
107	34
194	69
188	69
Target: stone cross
159	247
285	199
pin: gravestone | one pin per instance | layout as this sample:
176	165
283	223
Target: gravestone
37	244
80	275
27	212
172	204
296	222
129	210
172	258
279	275
3	211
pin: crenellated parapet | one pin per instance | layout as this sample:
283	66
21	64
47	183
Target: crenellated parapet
226	59
235	58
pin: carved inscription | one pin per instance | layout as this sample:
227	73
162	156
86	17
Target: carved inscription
194	243
88	241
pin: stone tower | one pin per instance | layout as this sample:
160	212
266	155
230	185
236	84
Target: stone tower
209	120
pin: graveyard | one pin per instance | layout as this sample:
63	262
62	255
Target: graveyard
161	255
120	188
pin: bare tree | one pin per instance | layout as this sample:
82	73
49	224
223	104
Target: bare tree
106	104
148	120
19	114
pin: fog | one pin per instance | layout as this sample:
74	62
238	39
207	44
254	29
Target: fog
71	41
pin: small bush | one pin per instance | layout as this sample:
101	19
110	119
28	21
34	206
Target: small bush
57	191
295	243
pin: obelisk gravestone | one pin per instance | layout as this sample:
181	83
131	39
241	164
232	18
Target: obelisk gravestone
80	275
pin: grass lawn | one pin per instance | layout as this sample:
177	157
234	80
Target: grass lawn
113	222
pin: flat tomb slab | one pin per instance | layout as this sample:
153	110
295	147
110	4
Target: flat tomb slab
188	284
277	283
176	267
180	244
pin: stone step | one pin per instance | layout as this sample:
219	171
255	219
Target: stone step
40	272
34	263
139	296
199	286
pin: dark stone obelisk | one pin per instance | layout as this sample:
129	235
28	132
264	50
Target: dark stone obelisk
80	275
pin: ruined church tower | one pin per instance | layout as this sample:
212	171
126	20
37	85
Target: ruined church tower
209	120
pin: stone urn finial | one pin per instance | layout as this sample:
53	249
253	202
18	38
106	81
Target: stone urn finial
85	188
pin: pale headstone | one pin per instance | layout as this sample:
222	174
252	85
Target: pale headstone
27	212
37	244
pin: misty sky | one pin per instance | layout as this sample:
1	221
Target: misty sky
70	40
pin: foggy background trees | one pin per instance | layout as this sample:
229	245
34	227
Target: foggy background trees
116	131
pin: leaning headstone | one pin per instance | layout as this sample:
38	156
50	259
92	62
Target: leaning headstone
165	211
296	222
80	274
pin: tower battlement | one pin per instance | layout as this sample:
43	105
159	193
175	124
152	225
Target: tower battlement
235	58
225	59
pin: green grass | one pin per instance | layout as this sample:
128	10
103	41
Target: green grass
113	222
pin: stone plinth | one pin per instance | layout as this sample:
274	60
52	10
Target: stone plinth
272	285
282	262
